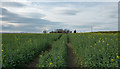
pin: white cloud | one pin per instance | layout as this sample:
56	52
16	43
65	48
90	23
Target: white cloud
100	15
64	0
6	24
86	14
46	27
1	16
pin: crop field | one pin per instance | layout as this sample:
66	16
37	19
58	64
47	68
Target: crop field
57	56
19	49
89	50
95	49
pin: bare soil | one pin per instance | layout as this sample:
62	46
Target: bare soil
35	61
71	62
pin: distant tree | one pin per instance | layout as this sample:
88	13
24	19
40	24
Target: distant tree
51	32
61	31
74	31
44	31
68	31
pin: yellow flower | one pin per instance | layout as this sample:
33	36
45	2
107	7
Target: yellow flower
118	56
107	44
99	41
91	46
2	50
50	63
103	41
112	59
40	55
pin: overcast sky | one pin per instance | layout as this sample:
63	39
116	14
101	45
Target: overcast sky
30	16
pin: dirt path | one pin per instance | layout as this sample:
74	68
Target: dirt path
35	61
71	56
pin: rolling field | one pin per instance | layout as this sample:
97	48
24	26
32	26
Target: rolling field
90	49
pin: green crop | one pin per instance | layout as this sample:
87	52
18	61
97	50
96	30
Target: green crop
90	49
19	49
95	49
57	55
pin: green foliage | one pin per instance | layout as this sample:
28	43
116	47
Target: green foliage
91	49
95	49
57	55
19	49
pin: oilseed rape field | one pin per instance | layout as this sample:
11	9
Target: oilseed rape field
96	49
52	50
19	49
57	56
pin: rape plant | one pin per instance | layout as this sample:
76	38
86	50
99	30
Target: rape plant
20	49
57	56
95	49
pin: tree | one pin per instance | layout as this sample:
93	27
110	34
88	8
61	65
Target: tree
44	31
74	31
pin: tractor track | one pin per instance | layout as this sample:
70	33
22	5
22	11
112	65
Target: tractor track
71	62
35	60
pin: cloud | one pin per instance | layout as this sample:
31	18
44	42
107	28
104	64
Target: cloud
15	18
16	22
63	0
70	12
66	10
6	13
12	4
68	15
13	0
84	13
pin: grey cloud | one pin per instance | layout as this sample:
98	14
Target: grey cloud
26	28
40	23
70	12
15	18
31	23
30	28
6	13
82	26
12	4
36	15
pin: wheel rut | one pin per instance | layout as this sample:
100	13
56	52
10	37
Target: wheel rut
35	60
71	62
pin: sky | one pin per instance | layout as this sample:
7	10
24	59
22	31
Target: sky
34	16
